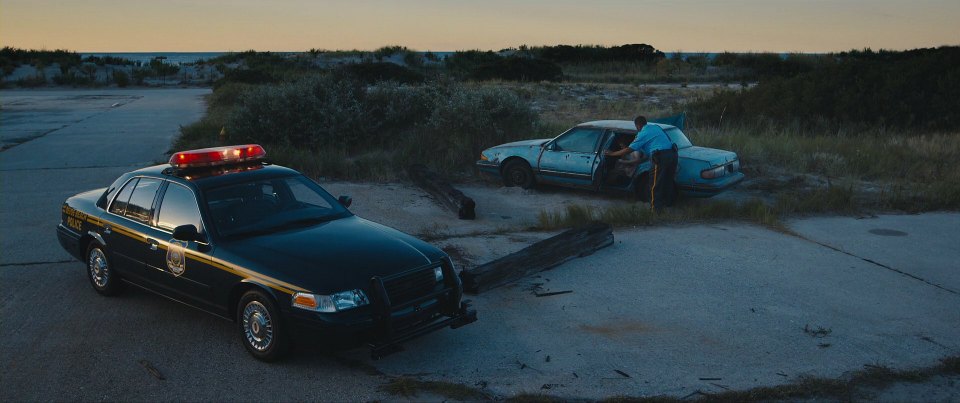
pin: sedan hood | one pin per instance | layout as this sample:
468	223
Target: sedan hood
711	156
333	256
524	143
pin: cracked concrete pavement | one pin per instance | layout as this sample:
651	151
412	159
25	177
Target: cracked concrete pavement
703	308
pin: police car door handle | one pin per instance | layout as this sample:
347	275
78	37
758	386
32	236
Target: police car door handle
153	244
106	229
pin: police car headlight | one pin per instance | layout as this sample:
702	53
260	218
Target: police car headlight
337	302
438	273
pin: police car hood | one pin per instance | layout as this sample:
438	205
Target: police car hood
333	256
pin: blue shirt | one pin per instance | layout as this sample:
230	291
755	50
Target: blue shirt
651	138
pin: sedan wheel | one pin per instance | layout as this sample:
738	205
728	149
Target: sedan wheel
518	173
99	272
260	326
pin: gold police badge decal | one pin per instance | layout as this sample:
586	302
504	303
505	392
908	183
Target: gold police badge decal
176	258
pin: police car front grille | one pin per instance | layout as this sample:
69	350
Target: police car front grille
410	286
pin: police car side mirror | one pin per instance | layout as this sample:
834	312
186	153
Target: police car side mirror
186	232
345	201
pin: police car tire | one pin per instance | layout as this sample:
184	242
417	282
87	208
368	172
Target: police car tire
113	285
278	344
518	173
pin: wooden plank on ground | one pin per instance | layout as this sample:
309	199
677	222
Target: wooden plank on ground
441	190
543	255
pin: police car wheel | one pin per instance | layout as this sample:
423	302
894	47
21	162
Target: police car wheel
261	330
518	173
102	277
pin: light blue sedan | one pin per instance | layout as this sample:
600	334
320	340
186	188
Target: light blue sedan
575	159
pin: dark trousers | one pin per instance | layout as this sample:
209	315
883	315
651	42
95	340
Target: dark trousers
661	179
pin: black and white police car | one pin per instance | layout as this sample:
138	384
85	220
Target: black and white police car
225	231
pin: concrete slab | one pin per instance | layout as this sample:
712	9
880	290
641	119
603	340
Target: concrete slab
925	246
139	131
691	308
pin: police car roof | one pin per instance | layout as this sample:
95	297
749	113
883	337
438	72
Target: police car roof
211	177
619	124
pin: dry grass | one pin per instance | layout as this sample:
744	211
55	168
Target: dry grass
411	388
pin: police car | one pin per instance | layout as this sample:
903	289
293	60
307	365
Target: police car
225	231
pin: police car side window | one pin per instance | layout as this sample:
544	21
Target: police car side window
179	207
581	140
140	207
120	203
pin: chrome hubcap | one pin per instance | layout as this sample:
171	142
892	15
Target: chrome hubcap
257	326
99	271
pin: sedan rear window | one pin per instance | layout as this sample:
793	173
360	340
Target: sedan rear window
678	138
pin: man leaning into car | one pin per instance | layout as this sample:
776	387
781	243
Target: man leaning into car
652	141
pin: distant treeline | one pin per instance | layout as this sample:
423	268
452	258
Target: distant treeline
642	53
910	89
11	57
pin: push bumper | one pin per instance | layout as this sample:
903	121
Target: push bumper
382	325
450	312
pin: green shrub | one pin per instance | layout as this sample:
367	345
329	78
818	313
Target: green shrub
73	79
914	89
442	124
373	72
516	68
246	76
31	82
121	78
107	60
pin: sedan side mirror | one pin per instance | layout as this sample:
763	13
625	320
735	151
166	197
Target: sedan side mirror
345	201
186	232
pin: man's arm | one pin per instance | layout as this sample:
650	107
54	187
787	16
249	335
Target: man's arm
623	151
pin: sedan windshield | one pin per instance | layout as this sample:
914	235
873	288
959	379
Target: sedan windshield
678	138
268	205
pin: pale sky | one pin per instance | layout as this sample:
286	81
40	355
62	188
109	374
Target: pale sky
298	25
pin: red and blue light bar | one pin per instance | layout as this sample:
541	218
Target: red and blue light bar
206	157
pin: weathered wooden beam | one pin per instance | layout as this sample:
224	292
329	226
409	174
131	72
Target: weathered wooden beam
543	255
448	196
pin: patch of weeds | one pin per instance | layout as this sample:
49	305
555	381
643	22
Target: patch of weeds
409	387
819	332
639	214
874	376
535	398
650	399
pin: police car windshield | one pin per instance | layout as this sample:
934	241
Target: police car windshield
269	205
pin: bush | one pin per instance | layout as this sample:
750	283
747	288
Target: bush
72	79
442	124
518	69
121	78
371	72
107	60
31	82
140	74
245	76
589	54
914	89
